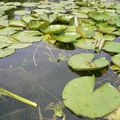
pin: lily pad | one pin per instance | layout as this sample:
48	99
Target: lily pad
4	45
53	29
105	28
85	61
88	44
37	25
115	115
66	37
80	96
19	45
27	36
116	59
99	16
109	37
6	52
22	12
112	47
17	23
7	31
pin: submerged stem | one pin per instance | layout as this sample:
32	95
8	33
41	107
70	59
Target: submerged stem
12	95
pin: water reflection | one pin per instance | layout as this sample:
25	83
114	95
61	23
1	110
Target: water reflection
32	75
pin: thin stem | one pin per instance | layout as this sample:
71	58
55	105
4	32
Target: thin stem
10	94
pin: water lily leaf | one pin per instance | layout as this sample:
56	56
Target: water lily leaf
66	37
30	4
115	21
22	12
4	17
4	45
28	18
117	32
112	47
17	4
19	45
82	15
88	44
116	59
27	36
105	28
17	23
109	37
3	23
2	3
65	18
99	16
7	31
98	36
85	61
37	25
115	115
6	52
53	29
80	96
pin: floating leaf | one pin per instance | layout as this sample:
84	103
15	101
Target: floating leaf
28	18
109	37
4	45
115	115
80	96
27	36
85	43
66	37
116	59
37	25
30	4
7	31
17	23
5	39
105	28
99	16
3	23
19	45
98	36
22	12
85	61
6	52
112	47
53	29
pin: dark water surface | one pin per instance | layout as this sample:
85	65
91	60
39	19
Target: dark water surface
30	74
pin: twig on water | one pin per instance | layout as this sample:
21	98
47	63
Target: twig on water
34	60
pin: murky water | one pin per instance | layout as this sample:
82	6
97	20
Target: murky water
30	74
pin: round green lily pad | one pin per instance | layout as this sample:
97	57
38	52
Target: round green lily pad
6	52
112	46
85	61
53	29
116	59
80	96
66	37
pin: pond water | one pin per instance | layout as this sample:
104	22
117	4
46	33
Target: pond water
30	74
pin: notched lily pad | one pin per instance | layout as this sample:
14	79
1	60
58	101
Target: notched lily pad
6	52
27	36
80	96
116	59
112	47
85	43
53	29
66	37
17	23
85	61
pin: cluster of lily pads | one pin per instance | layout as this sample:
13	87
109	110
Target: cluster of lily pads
92	25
